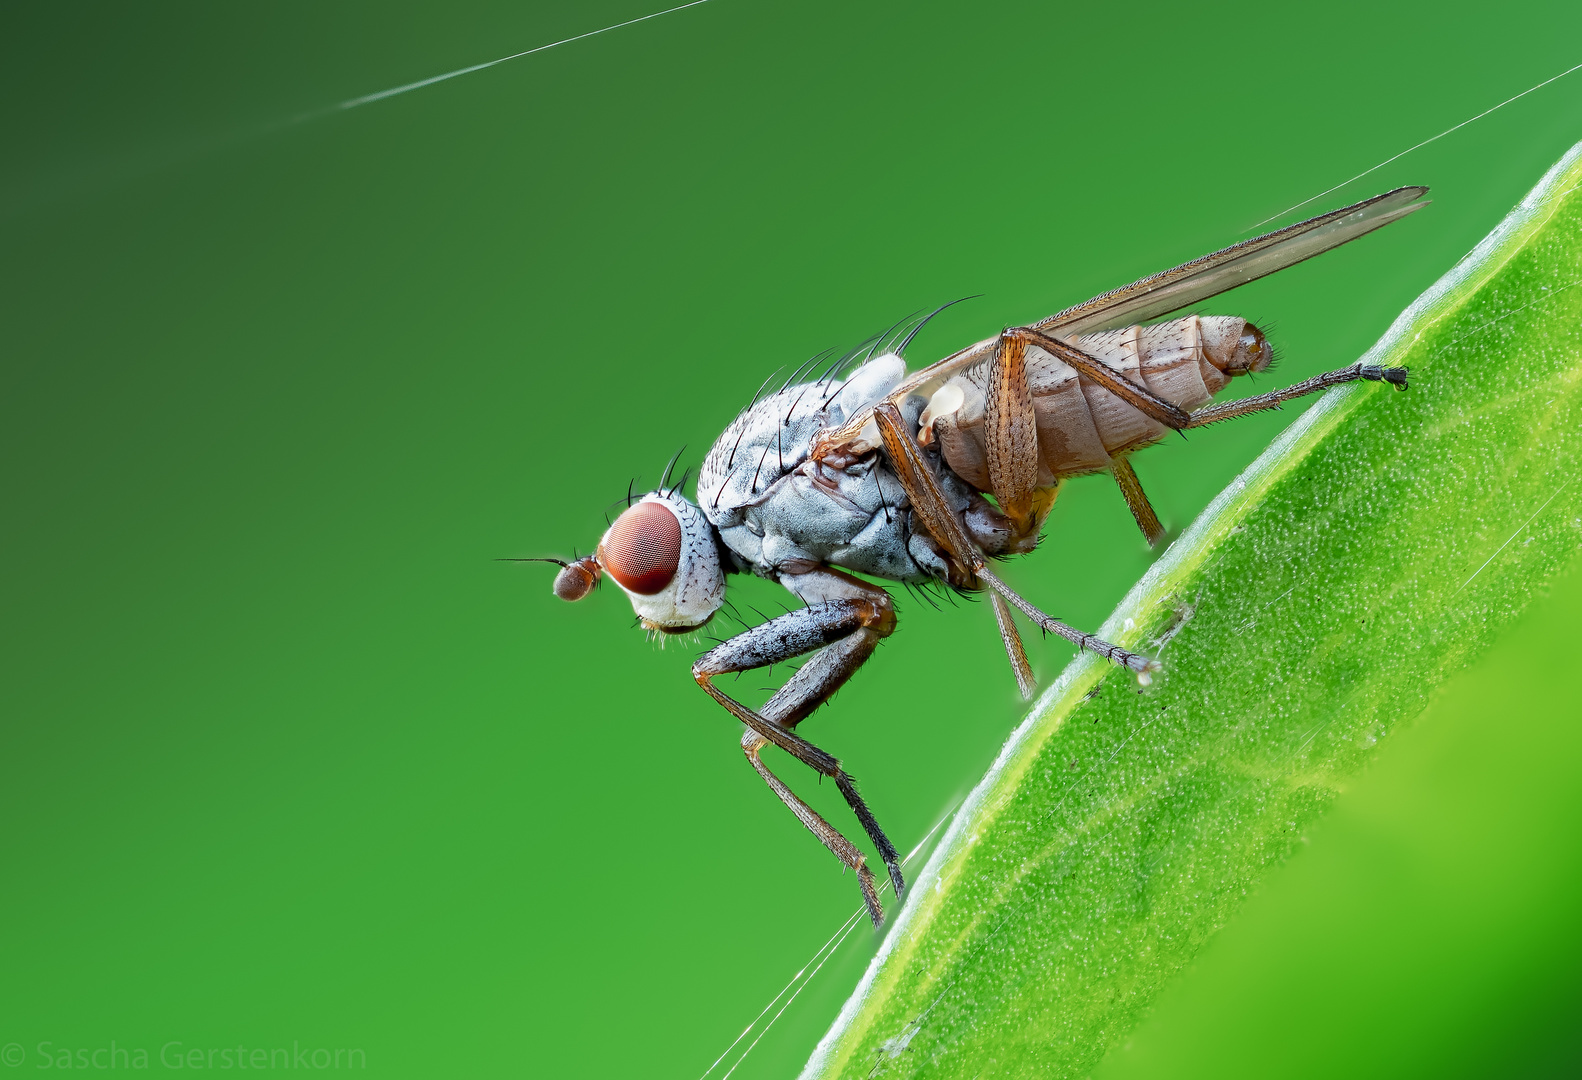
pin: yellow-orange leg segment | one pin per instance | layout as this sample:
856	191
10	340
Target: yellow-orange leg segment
1011	434
1137	501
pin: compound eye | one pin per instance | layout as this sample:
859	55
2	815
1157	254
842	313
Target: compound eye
643	548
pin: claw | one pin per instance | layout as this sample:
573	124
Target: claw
1395	376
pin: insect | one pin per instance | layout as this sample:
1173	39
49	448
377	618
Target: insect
875	472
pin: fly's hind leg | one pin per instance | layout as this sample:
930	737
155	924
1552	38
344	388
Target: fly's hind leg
843	624
1013	345
1173	416
1227	410
929	503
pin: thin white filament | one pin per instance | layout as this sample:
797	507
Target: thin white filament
825	951
851	925
1513	535
1419	146
839	934
352	103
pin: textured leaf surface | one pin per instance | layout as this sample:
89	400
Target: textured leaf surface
1375	548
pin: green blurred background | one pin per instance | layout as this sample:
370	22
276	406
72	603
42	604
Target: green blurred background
290	760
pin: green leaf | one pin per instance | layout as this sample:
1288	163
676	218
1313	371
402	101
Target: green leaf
1369	553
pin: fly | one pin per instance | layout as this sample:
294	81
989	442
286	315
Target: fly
883	473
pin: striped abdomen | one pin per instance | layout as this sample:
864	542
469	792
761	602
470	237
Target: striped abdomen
1081	425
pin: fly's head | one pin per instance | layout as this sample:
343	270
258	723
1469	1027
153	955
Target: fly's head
661	552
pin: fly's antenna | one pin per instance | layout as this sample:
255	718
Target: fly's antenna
665	479
902	350
575	580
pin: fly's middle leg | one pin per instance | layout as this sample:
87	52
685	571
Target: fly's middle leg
929	503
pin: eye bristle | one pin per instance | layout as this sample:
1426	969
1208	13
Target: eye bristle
643	548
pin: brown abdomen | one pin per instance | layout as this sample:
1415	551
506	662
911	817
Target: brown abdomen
1081	426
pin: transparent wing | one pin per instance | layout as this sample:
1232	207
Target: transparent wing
1162	293
1236	265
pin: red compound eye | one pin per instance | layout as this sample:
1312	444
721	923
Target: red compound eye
643	549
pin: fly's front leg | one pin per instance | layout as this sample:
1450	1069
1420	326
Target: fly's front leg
929	502
842	632
843	848
1227	410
